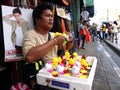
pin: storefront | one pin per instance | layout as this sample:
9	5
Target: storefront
10	65
67	16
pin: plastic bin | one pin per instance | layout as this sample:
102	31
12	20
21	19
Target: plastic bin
68	82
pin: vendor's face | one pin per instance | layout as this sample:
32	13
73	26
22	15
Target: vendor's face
46	20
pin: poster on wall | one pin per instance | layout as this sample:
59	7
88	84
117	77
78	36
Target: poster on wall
16	21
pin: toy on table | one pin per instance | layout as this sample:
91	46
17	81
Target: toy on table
48	66
60	68
75	70
63	34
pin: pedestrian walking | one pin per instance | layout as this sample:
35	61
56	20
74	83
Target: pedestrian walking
84	35
103	30
99	32
114	31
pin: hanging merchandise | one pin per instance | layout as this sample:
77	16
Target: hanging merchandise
88	36
61	12
66	2
57	23
68	17
25	3
61	22
85	14
68	25
90	9
89	4
63	25
53	11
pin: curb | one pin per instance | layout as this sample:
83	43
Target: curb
114	47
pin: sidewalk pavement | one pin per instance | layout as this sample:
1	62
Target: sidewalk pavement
103	79
114	46
90	47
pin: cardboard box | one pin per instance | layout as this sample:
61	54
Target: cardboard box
68	82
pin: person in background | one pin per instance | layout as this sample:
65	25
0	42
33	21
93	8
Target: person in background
94	31
82	33
99	32
19	27
80	26
109	31
106	33
40	43
103	27
114	31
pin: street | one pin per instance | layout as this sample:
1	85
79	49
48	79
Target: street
107	75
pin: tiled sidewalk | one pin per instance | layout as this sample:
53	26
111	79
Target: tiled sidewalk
114	46
103	79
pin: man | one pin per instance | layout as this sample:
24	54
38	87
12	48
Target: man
19	27
36	44
40	43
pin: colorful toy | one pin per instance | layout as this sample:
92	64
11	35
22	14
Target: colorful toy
69	65
63	34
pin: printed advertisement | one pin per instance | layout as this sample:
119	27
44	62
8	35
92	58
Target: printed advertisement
16	21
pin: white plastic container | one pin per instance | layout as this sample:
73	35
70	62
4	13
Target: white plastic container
68	82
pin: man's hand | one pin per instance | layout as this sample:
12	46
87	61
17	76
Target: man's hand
69	37
59	39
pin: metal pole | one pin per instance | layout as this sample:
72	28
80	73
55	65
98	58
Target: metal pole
107	15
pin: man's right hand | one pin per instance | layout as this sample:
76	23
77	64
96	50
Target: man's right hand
59	39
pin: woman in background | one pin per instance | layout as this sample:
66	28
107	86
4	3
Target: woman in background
114	31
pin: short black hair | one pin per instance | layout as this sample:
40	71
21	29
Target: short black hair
37	12
115	22
16	10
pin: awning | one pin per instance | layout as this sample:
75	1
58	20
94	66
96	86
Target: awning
88	3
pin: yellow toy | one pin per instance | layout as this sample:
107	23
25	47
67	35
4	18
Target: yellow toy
67	54
63	34
58	33
75	54
71	62
55	62
84	62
